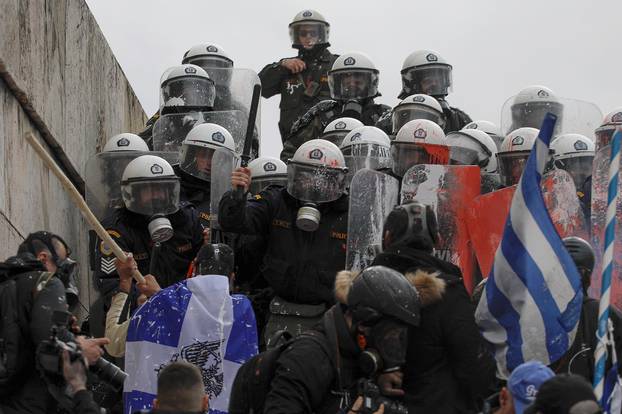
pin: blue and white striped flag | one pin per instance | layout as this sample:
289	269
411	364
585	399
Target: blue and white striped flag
196	321
532	301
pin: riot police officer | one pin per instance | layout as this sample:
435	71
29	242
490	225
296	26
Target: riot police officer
417	106
353	81
301	81
513	154
196	157
305	227
425	71
337	130
162	233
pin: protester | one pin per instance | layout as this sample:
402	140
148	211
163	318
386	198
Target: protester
565	394
522	387
180	390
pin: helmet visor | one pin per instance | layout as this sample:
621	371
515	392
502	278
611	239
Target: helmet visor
210	62
191	92
403	114
371	156
315	184
354	84
306	35
531	114
260	184
151	197
511	166
464	150
336	137
604	135
580	168
406	154
433	80
196	161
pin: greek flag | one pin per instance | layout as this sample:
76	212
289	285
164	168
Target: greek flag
532	301
197	321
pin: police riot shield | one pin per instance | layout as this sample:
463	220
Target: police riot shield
372	197
170	130
223	163
103	178
449	190
574	116
600	183
490	182
488	214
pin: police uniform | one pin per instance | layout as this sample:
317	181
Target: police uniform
311	125
299	91
455	119
130	231
300	266
197	193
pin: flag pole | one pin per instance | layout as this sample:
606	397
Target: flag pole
600	356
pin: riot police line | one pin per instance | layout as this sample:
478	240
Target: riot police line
409	200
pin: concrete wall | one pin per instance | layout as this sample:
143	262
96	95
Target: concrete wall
73	95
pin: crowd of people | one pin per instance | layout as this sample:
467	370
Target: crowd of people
264	257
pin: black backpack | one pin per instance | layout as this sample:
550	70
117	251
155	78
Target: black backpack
12	334
253	380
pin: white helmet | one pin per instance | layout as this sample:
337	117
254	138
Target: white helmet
336	131
186	88
419	141
311	27
605	131
353	77
197	149
531	104
514	152
267	171
425	71
488	127
150	187
316	173
208	55
473	147
575	154
125	142
418	106
366	147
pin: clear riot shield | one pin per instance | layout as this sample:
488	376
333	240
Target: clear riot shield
372	197
600	183
578	117
450	190
170	130
223	163
488	214
103	178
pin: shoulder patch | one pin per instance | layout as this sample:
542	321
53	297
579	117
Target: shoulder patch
317	109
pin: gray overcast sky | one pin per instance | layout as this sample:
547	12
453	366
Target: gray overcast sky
496	47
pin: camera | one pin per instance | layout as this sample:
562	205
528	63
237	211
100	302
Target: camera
372	399
50	356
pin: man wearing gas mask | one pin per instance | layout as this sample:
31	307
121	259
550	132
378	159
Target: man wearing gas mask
448	366
305	228
359	346
353	82
39	281
162	233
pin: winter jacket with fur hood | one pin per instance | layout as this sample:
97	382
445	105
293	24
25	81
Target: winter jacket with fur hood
448	365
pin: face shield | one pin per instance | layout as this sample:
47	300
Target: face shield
531	114
336	137
211	62
433	80
355	84
305	35
407	154
315	184
151	197
259	184
466	151
511	166
604	135
196	161
580	168
365	155
187	92
404	113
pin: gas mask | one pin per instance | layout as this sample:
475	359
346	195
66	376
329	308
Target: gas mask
160	228
308	217
67	271
352	109
384	347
